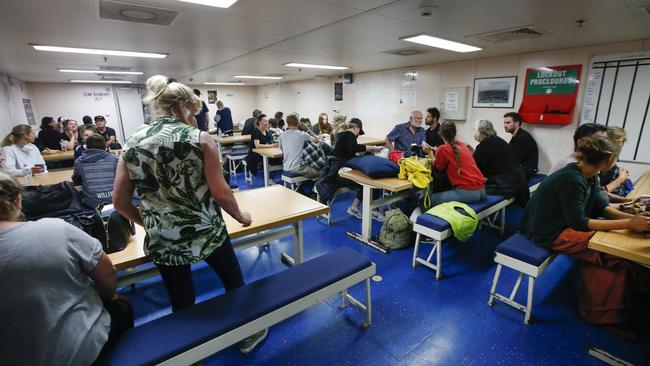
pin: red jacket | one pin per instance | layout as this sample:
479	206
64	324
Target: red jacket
470	177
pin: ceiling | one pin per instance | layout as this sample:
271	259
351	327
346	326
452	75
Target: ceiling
258	36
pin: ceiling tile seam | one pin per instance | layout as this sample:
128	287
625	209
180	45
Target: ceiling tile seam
638	15
375	9
524	21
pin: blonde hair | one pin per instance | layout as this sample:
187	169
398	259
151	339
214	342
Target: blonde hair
165	95
9	192
16	134
616	134
338	119
484	129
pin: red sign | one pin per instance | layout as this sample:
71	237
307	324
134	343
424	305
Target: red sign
550	94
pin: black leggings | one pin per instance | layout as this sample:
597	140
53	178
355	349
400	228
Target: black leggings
121	320
178	279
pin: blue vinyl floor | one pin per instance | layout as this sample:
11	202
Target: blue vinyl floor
416	319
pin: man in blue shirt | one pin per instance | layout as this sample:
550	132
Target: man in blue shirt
404	135
224	119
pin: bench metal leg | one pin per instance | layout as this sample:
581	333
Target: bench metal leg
368	305
494	285
416	249
516	288
436	249
529	302
502	226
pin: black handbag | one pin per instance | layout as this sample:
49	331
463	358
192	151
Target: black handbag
54	200
106	225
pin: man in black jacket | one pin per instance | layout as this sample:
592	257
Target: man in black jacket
524	147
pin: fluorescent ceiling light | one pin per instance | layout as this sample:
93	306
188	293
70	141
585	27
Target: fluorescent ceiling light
93	51
313	66
440	43
257	77
113	72
215	3
237	84
103	81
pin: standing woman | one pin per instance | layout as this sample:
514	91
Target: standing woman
261	138
20	154
175	169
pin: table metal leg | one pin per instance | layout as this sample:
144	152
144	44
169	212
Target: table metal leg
298	248
265	162
366	213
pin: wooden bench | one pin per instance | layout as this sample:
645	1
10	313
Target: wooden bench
194	333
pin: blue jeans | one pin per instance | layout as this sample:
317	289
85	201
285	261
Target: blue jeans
458	195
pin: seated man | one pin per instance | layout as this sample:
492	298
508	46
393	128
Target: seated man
107	132
249	124
86	130
585	130
291	143
95	171
566	211
405	135
522	143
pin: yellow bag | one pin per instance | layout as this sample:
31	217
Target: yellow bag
414	171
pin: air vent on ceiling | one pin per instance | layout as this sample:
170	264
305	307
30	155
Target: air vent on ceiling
514	34
115	10
406	52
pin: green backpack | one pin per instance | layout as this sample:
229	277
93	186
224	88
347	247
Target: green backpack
396	230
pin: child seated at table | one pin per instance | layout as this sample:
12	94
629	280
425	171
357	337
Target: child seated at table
563	215
616	180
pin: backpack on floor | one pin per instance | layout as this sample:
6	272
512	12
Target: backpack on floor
396	230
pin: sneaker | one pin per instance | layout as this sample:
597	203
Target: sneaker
248	344
378	215
354	211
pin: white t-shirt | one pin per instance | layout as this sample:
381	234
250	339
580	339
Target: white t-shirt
291	143
562	163
18	160
51	313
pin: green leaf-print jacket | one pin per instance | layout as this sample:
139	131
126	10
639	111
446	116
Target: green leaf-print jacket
165	164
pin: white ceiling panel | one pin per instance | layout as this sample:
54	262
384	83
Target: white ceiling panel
258	36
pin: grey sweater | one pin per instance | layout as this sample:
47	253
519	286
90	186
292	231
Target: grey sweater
95	171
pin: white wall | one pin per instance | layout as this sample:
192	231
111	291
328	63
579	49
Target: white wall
12	111
374	96
73	101
240	99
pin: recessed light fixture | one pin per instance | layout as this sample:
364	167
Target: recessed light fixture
257	77
102	81
440	43
314	66
93	51
215	3
234	84
112	72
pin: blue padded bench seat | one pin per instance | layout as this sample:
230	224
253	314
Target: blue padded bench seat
529	259
173	334
438	224
535	179
523	249
488	212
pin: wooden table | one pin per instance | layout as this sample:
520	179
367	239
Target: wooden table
268	153
626	244
224	144
58	156
277	212
400	187
52	177
365	140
